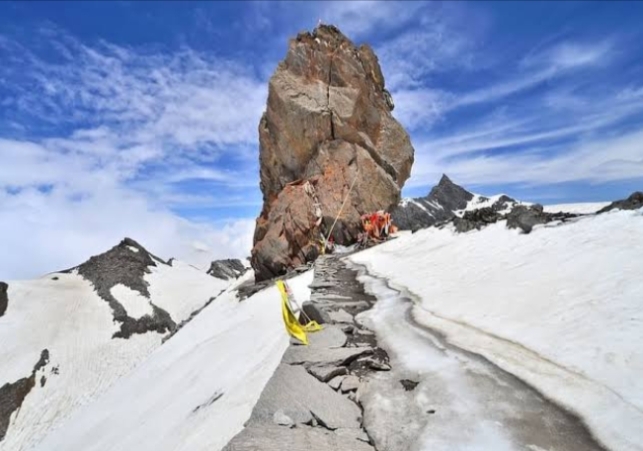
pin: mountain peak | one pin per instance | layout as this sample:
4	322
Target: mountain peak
126	264
445	180
444	199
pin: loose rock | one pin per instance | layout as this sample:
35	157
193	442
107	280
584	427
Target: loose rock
282	419
227	269
350	383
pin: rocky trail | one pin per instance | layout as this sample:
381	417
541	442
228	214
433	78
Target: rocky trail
402	389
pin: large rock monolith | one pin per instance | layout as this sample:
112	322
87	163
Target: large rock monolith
327	127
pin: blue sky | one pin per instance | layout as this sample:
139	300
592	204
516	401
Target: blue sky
140	119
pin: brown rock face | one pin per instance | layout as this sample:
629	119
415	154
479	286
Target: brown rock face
327	127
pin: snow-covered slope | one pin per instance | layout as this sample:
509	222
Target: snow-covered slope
196	391
67	337
561	308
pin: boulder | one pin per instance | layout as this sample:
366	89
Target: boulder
634	202
526	217
327	135
227	269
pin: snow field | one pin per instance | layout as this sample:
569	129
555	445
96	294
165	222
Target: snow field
561	308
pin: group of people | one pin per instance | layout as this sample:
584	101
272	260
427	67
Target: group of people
377	227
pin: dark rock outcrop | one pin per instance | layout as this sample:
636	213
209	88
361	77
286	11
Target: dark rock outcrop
227	269
327	135
634	202
12	395
126	264
4	298
476	219
526	217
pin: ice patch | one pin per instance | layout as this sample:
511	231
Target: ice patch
132	248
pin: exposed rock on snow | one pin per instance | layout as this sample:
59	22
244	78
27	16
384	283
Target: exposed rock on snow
408	384
476	219
327	127
122	265
4	298
12	395
227	269
634	202
525	218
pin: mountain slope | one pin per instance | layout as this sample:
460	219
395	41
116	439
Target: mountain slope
196	391
67	337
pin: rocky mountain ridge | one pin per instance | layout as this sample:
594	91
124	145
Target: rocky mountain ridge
449	203
444	202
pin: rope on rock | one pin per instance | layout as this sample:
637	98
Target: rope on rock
340	211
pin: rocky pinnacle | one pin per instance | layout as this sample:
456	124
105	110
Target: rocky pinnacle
327	124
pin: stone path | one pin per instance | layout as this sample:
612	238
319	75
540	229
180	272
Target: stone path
411	391
310	401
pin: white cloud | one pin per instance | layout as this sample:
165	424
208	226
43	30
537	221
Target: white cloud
357	18
571	54
43	232
597	160
410	68
138	126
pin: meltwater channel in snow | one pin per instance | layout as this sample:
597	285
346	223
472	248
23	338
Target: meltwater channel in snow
560	308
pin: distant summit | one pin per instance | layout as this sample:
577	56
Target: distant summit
444	202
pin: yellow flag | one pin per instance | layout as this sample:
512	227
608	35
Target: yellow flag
291	322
